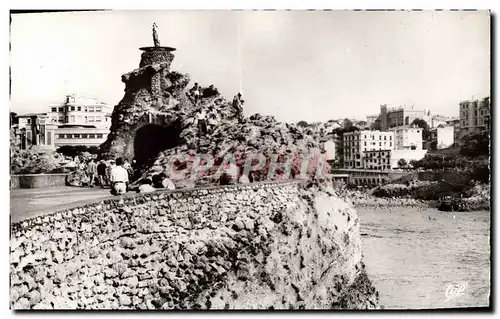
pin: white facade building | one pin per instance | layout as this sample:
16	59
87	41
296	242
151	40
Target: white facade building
78	121
445	136
407	137
356	144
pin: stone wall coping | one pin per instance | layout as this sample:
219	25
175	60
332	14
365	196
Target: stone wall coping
117	201
41	174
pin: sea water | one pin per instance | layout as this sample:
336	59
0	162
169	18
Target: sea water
423	258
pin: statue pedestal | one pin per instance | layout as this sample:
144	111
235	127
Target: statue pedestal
152	55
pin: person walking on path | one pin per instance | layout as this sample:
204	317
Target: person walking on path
101	172
119	178
109	168
128	168
92	172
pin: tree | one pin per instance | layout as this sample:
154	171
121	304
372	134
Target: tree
475	144
302	124
415	164
402	163
426	131
13	118
433	145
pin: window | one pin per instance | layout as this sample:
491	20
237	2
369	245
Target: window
390	138
365	143
90	119
98	109
99	135
76	135
79	108
60	135
90	109
98	119
54	109
66	119
84	135
61	119
72	119
72	108
28	121
390	144
385	137
91	135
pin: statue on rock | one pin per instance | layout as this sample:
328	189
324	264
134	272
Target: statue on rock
155	35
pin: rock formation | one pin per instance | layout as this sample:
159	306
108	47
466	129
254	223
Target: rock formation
156	119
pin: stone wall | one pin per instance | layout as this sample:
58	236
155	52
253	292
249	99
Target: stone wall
256	246
37	180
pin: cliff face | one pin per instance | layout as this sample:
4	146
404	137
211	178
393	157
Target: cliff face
260	246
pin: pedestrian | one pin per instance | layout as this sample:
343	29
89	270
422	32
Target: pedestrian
92	172
101	172
145	186
202	123
128	167
109	168
196	93
82	166
212	120
118	178
237	105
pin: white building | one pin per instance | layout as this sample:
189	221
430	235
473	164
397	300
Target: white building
356	144
445	136
437	120
407	137
78	121
80	110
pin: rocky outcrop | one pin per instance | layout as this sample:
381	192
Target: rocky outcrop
157	120
33	162
258	246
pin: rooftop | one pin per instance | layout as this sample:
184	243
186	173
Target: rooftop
31	114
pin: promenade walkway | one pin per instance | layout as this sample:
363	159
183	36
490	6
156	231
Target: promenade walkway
25	203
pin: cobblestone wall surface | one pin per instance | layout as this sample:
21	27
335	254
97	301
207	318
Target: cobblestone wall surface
257	246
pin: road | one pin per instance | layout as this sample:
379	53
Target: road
25	203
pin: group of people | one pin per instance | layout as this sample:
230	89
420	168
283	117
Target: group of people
107	173
117	174
197	92
158	181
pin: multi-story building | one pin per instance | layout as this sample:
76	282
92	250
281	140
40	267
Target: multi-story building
437	120
407	137
456	128
443	136
356	144
474	116
31	130
78	121
377	160
398	116
370	120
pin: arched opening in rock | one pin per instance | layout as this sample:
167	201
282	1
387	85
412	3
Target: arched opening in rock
151	139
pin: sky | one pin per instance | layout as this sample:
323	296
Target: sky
295	65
